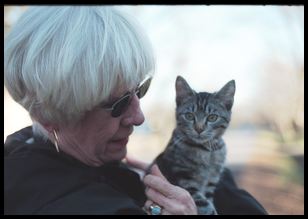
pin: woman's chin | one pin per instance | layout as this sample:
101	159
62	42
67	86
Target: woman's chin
118	155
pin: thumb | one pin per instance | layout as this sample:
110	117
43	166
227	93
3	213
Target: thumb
156	172
135	163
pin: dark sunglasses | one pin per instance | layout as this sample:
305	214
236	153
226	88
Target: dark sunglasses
120	105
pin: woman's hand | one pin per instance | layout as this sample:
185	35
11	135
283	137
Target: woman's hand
172	199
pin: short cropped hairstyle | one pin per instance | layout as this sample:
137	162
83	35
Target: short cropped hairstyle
61	61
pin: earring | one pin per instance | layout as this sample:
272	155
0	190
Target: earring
56	140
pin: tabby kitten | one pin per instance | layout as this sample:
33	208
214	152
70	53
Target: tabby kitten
195	155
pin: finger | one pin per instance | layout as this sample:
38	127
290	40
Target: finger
170	205
165	212
156	171
147	204
159	184
161	200
136	163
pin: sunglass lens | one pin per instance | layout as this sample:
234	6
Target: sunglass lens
142	90
120	106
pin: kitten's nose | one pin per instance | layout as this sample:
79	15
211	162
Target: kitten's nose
199	128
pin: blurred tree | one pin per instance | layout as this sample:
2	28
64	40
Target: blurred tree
282	99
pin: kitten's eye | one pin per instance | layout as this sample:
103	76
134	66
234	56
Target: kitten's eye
212	118
189	116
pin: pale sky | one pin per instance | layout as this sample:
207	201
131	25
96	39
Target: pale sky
210	45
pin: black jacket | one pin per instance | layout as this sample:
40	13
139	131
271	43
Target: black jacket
39	180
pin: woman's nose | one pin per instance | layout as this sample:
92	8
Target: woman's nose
134	114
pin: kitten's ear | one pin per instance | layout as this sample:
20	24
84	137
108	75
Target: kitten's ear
226	94
183	90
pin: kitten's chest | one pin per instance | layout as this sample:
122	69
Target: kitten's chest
207	158
197	157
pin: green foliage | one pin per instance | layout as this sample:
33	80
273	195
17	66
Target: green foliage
291	171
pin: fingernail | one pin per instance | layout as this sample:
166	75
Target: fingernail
156	167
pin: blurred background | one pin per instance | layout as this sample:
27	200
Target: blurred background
262	49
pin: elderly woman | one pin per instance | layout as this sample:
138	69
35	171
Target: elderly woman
80	72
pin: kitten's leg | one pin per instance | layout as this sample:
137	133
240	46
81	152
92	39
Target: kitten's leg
210	189
211	185
205	206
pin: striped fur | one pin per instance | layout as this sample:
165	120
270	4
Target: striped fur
195	155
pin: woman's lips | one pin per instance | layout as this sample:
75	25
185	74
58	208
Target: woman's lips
121	141
119	144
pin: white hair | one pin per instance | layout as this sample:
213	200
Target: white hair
61	61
